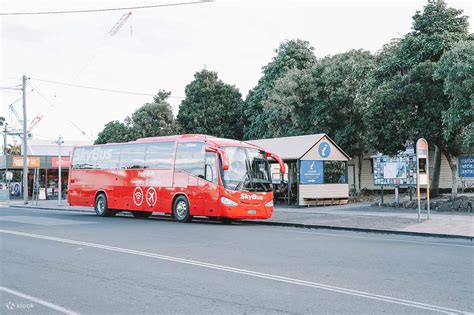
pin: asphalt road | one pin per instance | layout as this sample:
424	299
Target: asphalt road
71	262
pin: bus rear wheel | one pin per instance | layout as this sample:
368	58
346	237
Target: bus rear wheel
101	208
141	214
181	210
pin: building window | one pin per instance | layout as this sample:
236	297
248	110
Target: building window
190	158
159	155
335	172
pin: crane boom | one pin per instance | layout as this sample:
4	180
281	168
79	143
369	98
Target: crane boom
119	23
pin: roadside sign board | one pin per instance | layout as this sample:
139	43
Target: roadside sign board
466	166
311	172
399	170
33	162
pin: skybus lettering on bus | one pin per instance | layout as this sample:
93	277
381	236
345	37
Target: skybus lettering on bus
186	175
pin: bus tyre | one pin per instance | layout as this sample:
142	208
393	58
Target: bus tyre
101	208
181	210
141	214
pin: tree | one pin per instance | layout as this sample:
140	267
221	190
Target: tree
150	120
14	149
403	100
456	70
337	111
293	54
321	99
153	119
211	107
114	131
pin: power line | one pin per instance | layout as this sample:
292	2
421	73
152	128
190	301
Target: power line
104	9
101	89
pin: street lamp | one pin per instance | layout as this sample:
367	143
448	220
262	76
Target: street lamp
59	142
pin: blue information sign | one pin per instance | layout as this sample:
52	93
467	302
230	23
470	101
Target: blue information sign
324	149
311	172
466	166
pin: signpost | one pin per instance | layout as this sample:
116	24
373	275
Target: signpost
466	169
422	174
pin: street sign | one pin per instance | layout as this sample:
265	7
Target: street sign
466	167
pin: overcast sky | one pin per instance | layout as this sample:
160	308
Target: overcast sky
162	48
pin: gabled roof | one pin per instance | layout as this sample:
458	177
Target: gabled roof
293	148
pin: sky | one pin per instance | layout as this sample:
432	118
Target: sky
162	48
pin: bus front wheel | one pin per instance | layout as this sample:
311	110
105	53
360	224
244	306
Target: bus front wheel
181	210
101	208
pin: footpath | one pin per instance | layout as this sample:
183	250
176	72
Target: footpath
354	217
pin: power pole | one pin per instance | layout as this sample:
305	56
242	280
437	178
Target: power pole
25	146
5	140
59	142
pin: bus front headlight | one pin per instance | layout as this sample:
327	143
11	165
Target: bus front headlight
269	204
227	202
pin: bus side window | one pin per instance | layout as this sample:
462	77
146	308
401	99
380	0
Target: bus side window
190	158
159	155
211	169
132	156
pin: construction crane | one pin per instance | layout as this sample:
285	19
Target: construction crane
32	125
119	24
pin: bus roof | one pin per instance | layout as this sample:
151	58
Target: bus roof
218	142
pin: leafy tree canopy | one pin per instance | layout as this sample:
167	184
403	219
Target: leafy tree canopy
153	119
456	70
150	120
292	54
114	131
211	107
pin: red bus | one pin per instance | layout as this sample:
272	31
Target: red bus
183	175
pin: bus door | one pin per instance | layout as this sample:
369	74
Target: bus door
210	189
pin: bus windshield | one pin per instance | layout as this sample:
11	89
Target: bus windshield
248	170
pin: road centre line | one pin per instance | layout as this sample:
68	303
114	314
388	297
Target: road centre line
38	301
369	238
316	285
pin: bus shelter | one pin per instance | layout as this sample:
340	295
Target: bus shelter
316	172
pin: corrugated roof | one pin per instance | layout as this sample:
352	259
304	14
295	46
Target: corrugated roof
290	148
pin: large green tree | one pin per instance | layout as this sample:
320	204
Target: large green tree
456	70
150	120
153	119
114	131
211	107
322	98
404	101
291	55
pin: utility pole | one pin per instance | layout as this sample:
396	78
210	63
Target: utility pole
25	146
5	139
59	142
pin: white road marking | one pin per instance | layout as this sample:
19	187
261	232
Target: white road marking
321	286
38	301
370	238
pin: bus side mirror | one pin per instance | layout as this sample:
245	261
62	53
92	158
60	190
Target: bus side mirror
224	159
280	161
222	154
